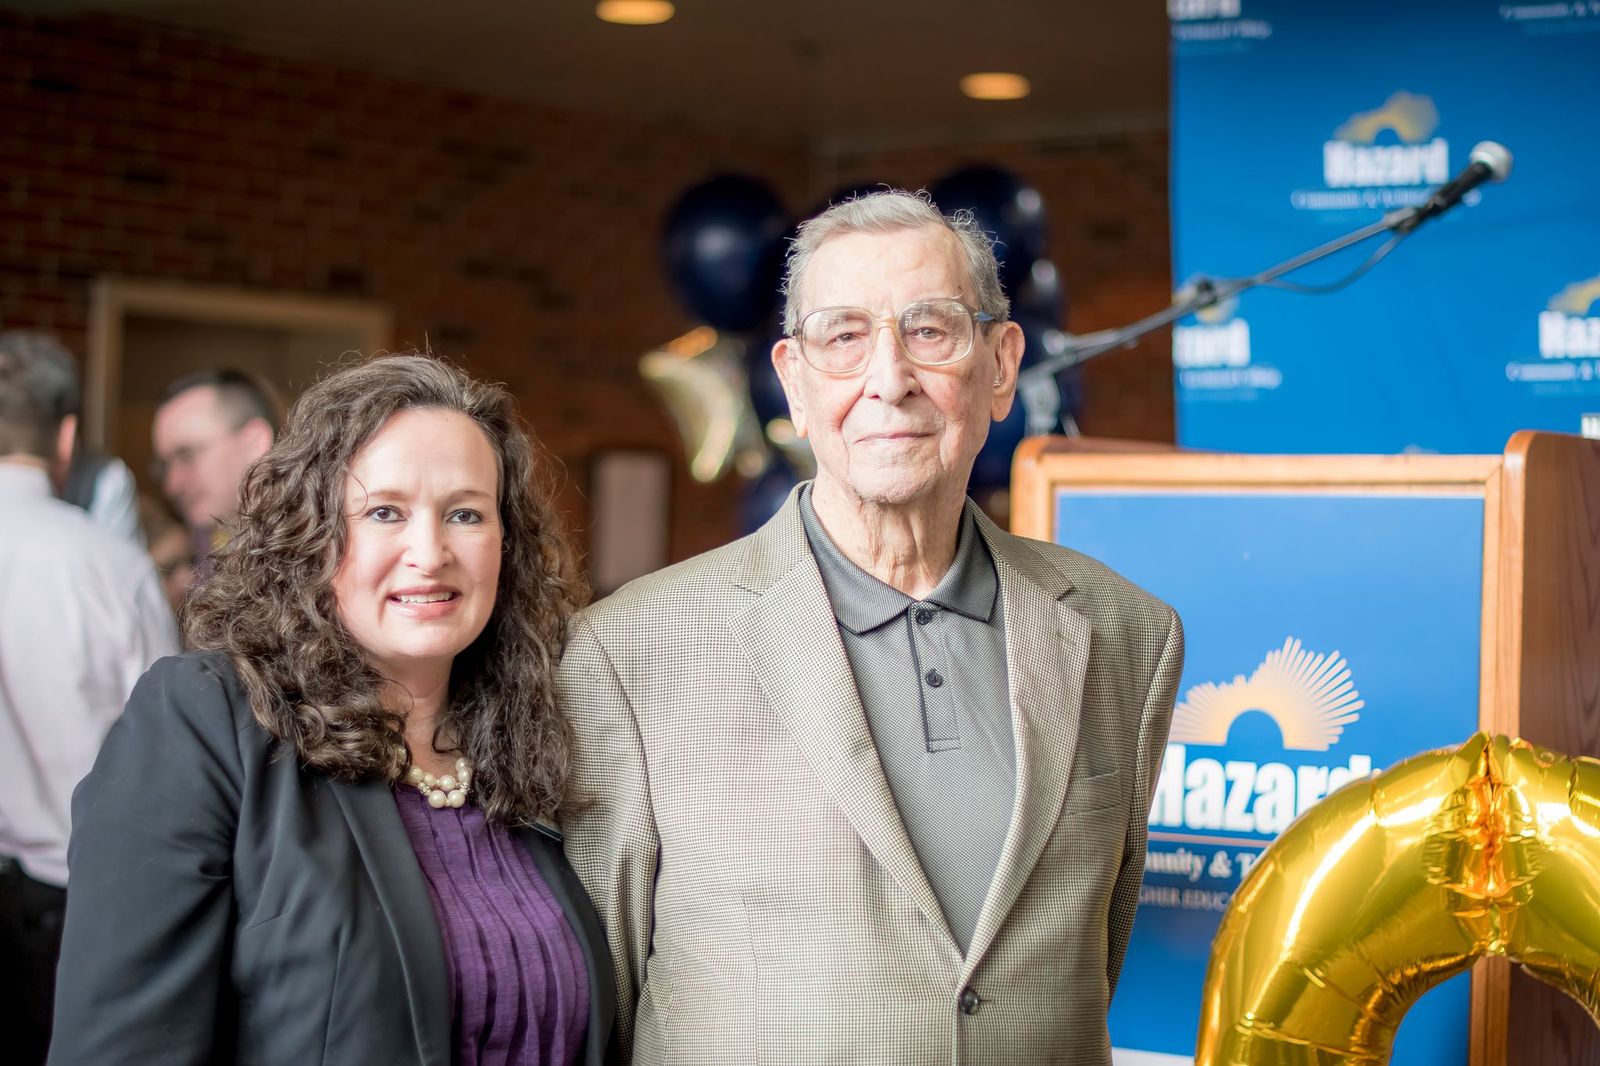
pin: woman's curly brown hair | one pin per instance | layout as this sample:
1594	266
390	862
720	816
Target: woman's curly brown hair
270	604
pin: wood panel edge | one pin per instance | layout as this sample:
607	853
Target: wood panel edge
1205	470
1491	1004
1030	491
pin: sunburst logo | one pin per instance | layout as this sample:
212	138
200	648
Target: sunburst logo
1309	695
1577	298
1412	116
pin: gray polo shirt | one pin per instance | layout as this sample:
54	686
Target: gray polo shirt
932	677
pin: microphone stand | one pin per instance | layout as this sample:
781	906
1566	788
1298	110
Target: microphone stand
1204	292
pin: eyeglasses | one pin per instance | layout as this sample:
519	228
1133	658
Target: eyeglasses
183	457
838	340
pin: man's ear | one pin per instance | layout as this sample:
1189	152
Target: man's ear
256	437
66	441
1008	345
786	361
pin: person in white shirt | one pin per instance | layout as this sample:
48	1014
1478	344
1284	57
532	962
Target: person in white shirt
82	616
100	484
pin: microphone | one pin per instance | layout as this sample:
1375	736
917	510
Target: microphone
1488	161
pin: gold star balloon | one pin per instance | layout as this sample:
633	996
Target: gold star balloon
700	377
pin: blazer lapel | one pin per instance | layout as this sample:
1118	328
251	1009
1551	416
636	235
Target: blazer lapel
791	639
386	850
1047	656
544	844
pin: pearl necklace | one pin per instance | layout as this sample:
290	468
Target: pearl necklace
446	790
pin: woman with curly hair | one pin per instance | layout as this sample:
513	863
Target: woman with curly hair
326	834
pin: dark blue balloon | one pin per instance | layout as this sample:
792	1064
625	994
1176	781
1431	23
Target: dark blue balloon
1041	340
723	250
763	496
1042	296
1006	208
766	390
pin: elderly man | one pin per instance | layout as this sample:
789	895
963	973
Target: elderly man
81	617
871	784
209	427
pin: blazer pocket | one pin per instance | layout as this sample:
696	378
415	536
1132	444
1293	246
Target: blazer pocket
1095	792
828	959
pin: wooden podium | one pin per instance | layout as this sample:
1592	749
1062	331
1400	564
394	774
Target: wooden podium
1539	652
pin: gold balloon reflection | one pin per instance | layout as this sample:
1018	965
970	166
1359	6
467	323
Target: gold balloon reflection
1397	882
700	377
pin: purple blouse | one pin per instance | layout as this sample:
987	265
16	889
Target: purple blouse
516	971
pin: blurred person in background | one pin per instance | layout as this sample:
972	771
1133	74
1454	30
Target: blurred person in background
168	544
209	427
328	833
100	484
81	617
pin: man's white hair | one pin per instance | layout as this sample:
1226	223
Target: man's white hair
888	212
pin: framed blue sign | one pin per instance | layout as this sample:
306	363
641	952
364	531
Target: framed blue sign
1334	613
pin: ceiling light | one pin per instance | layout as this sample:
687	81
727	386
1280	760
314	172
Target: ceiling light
995	85
634	12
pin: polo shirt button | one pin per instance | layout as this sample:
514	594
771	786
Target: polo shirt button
924	616
970	1001
934	679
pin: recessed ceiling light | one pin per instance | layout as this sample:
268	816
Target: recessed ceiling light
995	85
634	12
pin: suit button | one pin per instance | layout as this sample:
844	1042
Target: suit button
970	1001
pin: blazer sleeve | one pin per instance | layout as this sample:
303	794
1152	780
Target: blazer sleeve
1155	719
149	922
611	838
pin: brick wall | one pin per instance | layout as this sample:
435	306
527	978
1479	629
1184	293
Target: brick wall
518	239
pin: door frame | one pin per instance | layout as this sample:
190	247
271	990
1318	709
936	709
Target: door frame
113	299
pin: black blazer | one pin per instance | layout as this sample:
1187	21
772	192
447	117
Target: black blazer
231	906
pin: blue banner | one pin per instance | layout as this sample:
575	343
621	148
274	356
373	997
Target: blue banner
1329	635
1296	122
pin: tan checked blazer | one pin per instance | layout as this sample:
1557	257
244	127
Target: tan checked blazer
761	897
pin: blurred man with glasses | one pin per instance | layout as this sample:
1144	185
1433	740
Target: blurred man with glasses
209	427
871	784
